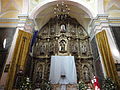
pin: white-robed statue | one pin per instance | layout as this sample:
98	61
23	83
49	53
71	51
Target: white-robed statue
63	29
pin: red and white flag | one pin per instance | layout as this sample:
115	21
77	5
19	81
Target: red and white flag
96	83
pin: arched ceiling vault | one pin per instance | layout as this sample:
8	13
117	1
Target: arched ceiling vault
43	16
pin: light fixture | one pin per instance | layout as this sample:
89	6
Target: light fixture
61	10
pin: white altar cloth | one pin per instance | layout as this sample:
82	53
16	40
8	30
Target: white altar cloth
63	66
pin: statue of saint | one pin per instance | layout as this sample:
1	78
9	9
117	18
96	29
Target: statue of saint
84	49
42	48
63	28
75	48
62	45
86	73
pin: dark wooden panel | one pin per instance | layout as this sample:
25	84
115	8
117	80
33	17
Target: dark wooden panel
5	33
94	49
99	70
116	35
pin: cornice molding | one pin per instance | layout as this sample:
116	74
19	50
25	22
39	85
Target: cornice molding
103	21
25	23
8	22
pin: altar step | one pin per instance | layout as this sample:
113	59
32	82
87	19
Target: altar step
64	87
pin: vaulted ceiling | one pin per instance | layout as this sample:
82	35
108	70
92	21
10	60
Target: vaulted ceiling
80	15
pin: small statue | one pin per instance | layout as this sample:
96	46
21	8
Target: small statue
62	45
75	48
86	73
83	49
42	48
63	28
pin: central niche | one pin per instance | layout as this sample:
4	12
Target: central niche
64	37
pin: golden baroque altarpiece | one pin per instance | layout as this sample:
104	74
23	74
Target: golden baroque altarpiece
62	37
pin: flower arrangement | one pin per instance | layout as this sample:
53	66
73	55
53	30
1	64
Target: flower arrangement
82	85
109	84
26	84
45	85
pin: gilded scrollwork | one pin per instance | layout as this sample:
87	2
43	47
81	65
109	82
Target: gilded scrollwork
65	38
